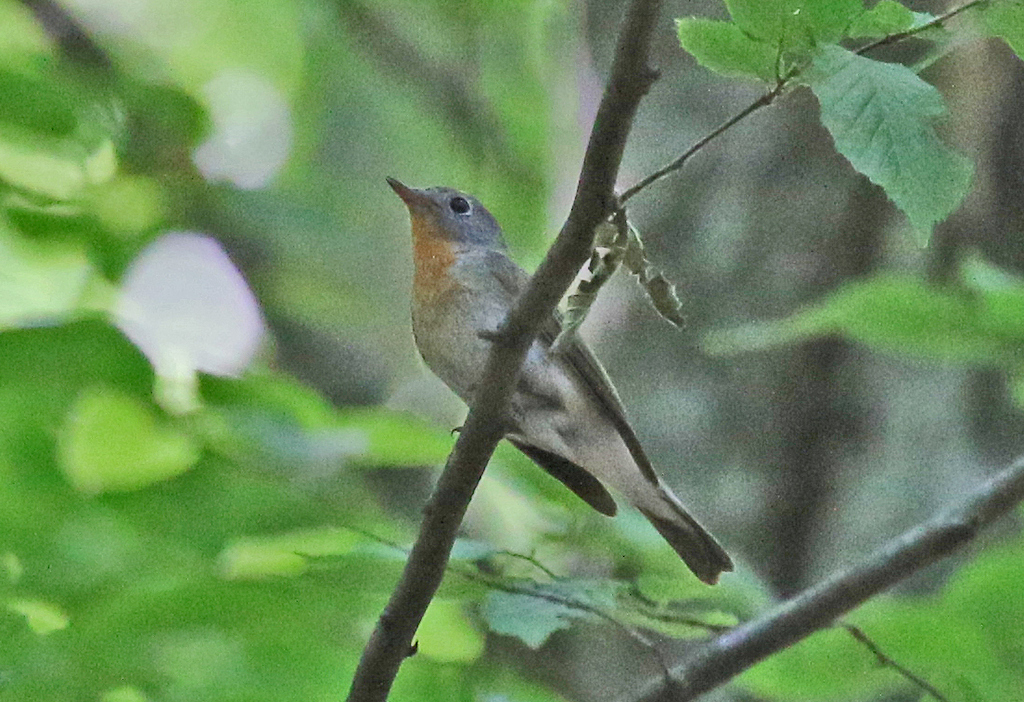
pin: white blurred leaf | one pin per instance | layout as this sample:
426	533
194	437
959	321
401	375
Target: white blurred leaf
252	131
188	309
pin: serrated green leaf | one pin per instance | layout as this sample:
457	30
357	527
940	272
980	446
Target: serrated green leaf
880	116
1006	21
724	48
113	442
887	17
530	619
794	23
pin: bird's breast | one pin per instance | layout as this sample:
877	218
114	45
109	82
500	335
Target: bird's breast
448	320
434	258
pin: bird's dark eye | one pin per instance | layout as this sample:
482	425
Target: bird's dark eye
459	205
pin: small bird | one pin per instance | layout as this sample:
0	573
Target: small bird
564	415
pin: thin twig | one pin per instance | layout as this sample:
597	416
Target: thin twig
818	607
391	640
675	165
934	22
531	560
681	620
887	662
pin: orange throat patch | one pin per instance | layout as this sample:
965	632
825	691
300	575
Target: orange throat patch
433	257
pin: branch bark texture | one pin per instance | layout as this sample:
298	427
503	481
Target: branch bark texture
391	640
818	607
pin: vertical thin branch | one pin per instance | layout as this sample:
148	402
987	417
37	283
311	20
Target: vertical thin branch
391	641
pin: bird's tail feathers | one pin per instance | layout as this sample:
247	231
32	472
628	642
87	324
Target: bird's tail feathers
698	549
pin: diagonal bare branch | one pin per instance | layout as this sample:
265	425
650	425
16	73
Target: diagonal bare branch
818	607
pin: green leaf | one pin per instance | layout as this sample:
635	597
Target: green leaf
24	38
1000	298
537	610
128	205
530	619
285	554
985	594
276	413
954	640
395	438
42	617
272	392
726	49
447	634
124	693
880	116
248	560
794	23
54	141
11	567
43	280
37	103
113	442
829	664
894	313
1006	21
887	17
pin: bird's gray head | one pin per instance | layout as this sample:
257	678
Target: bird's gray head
450	214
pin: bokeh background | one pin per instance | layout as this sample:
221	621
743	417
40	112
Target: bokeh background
245	556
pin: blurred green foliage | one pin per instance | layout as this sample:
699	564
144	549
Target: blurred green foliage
242	551
960	641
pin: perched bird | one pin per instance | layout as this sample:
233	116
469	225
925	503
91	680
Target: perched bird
564	415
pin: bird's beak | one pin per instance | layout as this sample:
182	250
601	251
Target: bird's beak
411	196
